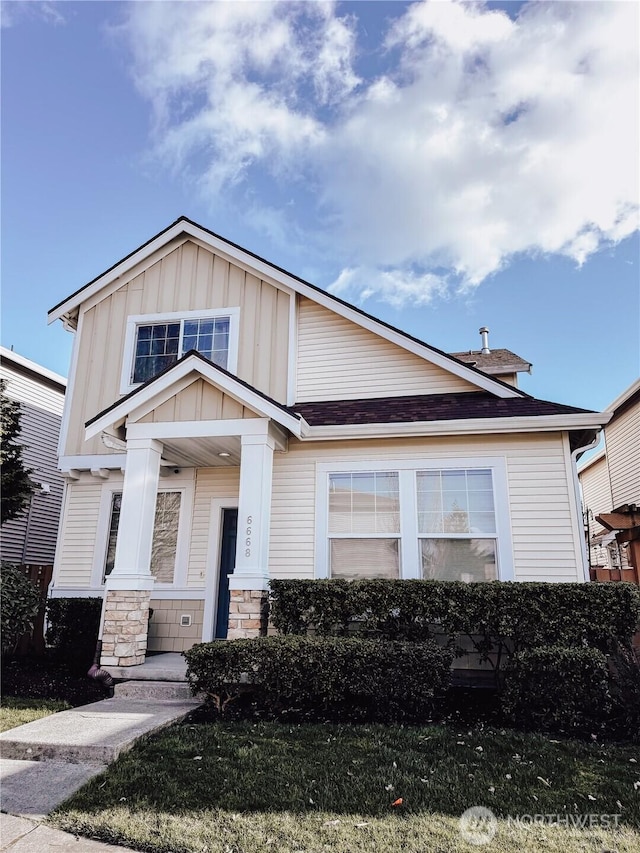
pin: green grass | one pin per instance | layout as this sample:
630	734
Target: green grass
16	711
252	788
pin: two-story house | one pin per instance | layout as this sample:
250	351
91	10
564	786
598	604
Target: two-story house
227	423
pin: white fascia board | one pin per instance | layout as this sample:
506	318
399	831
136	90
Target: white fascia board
168	430
95	462
282	280
124	267
34	367
544	423
635	386
165	386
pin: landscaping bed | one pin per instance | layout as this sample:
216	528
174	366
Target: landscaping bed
253	787
41	678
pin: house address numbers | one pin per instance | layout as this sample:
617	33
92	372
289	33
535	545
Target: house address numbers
247	541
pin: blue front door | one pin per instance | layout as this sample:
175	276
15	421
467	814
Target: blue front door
227	565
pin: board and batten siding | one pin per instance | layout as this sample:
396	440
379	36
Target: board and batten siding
622	438
339	360
74	560
200	401
545	537
187	278
210	483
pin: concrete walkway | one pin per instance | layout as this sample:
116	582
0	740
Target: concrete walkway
19	835
44	762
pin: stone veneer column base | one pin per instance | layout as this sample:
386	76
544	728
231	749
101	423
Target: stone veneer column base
248	613
126	622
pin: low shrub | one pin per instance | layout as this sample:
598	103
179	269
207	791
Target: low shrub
498	616
323	678
557	689
73	630
624	669
19	605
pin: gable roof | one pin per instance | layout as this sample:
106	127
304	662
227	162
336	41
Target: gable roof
193	363
495	361
183	226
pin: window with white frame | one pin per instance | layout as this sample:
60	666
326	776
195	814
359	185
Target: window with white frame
364	525
165	535
456	524
154	343
447	521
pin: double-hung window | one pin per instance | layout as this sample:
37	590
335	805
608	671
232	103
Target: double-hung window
446	520
456	524
154	343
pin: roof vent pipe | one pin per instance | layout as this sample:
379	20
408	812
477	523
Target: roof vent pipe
484	334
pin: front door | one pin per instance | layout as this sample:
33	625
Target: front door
227	565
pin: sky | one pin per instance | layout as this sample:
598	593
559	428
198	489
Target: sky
444	166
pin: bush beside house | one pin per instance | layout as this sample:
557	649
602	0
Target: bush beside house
561	653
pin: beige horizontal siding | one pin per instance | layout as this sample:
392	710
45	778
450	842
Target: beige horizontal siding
210	483
338	360
75	558
622	438
542	523
596	493
188	278
199	401
166	634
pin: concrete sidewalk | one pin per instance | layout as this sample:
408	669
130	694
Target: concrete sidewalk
44	762
19	835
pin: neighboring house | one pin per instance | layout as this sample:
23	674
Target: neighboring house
610	481
228	423
31	537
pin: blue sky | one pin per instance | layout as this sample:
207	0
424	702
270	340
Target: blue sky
442	166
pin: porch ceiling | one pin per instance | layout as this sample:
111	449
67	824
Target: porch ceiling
203	452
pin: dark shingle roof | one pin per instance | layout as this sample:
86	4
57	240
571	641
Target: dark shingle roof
496	361
428	407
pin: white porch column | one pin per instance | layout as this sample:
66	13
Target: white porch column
137	514
128	587
248	583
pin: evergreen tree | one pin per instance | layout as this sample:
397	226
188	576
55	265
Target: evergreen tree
16	485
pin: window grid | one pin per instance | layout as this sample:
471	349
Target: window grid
159	345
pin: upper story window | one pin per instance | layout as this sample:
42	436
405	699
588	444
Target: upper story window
155	342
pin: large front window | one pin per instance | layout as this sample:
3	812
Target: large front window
446	521
159	345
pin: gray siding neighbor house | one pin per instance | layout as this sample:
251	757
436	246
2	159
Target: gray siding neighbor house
31	538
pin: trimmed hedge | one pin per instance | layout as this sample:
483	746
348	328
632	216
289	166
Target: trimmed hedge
518	616
73	630
338	679
557	689
19	603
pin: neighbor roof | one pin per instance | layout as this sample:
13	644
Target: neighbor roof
496	361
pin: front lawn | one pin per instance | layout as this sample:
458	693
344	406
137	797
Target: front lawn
16	711
247	787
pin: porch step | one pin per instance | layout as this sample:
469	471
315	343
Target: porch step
172	691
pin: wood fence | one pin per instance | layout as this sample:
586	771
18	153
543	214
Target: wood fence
40	577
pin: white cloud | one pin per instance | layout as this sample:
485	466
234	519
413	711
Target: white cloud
484	138
11	13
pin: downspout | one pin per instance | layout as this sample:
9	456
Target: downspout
576	486
96	672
